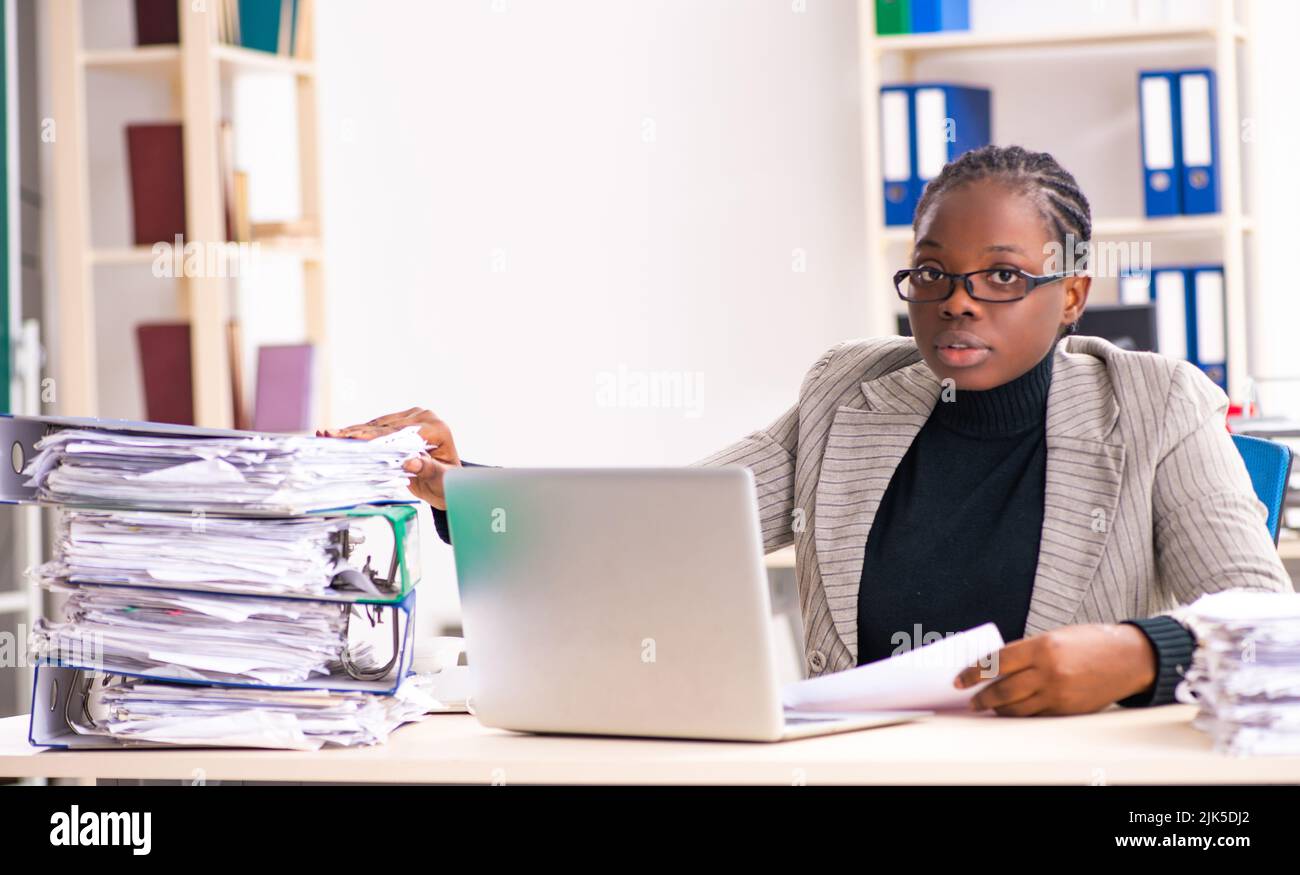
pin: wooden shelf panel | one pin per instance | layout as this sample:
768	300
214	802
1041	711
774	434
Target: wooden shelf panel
976	40
308	250
142	59
238	58
155	59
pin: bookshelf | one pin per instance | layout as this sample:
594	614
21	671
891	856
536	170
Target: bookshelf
200	69
1230	40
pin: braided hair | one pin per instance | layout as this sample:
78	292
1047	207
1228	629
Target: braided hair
1034	174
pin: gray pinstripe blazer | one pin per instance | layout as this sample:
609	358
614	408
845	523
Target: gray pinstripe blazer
1147	502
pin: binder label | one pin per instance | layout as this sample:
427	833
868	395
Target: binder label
1194	92
931	132
893	142
1157	129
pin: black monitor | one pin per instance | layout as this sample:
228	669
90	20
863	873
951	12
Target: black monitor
1128	326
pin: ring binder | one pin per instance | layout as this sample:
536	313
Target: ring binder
353	679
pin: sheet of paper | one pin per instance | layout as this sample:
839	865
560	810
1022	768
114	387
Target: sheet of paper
918	679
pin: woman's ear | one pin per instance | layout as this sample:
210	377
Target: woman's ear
1076	298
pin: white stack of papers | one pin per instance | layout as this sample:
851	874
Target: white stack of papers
192	636
264	474
134	710
272	556
921	678
1245	674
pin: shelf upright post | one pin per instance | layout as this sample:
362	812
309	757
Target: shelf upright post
206	294
75	389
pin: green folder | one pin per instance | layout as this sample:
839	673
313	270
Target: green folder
893	16
259	25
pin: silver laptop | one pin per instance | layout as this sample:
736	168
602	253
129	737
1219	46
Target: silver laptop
622	602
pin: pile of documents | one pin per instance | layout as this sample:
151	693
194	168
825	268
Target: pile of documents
261	474
134	710
233	554
208	598
1245	673
193	636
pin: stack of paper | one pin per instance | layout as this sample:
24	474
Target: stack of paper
193	636
134	710
263	474
297	555
1245	674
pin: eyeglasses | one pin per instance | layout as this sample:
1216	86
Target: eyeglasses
997	285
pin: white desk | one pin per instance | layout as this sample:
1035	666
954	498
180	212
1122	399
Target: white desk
1156	745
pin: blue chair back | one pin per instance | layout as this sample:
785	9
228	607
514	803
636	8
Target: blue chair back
1269	466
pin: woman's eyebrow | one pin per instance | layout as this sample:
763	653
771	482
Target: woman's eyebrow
927	241
1004	247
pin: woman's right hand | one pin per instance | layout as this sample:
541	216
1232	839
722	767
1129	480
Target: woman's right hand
431	465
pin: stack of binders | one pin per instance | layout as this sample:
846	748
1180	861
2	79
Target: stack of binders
1245	673
922	128
1189	304
221	588
921	16
1180	142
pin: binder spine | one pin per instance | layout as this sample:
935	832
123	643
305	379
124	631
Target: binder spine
929	16
898	154
1161	147
1200	141
1207	339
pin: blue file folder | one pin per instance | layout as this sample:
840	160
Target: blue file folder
1190	323
929	16
1199	141
1158	94
923	127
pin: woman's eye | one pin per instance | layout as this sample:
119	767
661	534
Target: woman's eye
929	275
1004	277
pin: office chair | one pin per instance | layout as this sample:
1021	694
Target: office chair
1269	466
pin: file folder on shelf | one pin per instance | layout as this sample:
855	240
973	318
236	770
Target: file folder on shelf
1190	308
1161	130
1169	292
929	16
1207	335
1199	179
893	16
923	127
896	154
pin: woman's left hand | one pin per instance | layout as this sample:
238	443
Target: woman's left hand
1070	670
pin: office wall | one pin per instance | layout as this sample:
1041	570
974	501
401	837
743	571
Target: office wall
534	210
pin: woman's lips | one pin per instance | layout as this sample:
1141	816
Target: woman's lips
961	349
968	357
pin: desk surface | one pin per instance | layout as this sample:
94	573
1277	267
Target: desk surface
1117	746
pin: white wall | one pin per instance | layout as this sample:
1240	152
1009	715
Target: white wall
500	232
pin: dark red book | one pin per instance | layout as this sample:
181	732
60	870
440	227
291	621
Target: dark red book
157	22
165	365
156	154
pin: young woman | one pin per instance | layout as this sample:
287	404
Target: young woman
987	470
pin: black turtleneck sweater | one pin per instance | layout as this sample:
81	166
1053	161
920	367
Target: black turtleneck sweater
954	543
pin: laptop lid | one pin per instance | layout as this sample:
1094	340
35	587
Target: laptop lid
615	601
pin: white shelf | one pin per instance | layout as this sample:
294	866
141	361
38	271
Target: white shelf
976	40
1136	227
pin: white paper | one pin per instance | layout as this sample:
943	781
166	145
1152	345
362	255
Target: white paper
920	679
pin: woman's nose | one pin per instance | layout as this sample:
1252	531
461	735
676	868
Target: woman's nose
959	303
